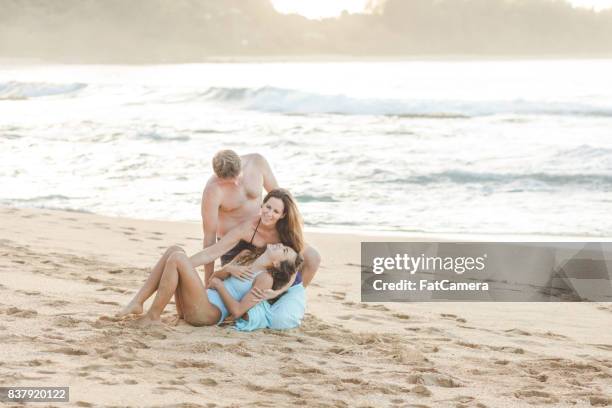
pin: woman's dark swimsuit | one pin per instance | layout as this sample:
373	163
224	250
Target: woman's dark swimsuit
242	245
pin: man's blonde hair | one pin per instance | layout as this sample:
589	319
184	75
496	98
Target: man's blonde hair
226	164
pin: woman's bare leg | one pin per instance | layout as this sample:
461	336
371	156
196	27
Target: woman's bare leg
178	301
194	302
150	285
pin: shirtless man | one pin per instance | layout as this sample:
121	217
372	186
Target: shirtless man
233	195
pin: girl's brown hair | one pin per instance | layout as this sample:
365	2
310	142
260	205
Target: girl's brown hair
283	273
289	227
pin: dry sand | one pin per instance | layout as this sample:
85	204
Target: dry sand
63	274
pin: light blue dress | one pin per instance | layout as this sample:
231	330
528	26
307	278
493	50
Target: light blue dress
235	287
286	313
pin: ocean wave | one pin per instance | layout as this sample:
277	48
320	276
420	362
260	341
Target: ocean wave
467	177
585	152
309	198
14	90
36	199
160	137
296	102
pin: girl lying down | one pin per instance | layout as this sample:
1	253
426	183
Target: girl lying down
272	269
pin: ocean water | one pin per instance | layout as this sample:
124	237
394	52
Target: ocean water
420	146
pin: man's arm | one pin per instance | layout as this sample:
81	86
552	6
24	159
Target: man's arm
271	293
269	181
211	200
238	308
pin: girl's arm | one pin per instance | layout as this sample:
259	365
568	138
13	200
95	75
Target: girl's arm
238	308
241	272
226	243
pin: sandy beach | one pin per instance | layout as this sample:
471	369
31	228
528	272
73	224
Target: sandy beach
63	275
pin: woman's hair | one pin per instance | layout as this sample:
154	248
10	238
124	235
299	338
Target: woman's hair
289	227
284	271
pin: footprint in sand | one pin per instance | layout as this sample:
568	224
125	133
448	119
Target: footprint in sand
536	397
66	321
441	381
518	332
421	391
71	351
338	295
193	364
381	308
29	293
600	401
209	382
107	302
57	303
112	289
24	313
453	317
38	363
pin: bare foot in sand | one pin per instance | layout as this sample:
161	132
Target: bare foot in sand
173	321
146	321
131	308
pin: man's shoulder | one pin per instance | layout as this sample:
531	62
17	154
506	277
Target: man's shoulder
212	186
254	159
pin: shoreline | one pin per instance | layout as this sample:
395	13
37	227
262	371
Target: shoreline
378	235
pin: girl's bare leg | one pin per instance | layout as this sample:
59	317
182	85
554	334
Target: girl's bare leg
194	301
150	286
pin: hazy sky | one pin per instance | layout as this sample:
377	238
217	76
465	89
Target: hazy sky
330	8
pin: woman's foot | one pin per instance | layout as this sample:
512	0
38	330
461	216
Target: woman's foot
131	308
173	321
147	321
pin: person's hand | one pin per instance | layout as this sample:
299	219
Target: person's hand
265	294
215	283
243	273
